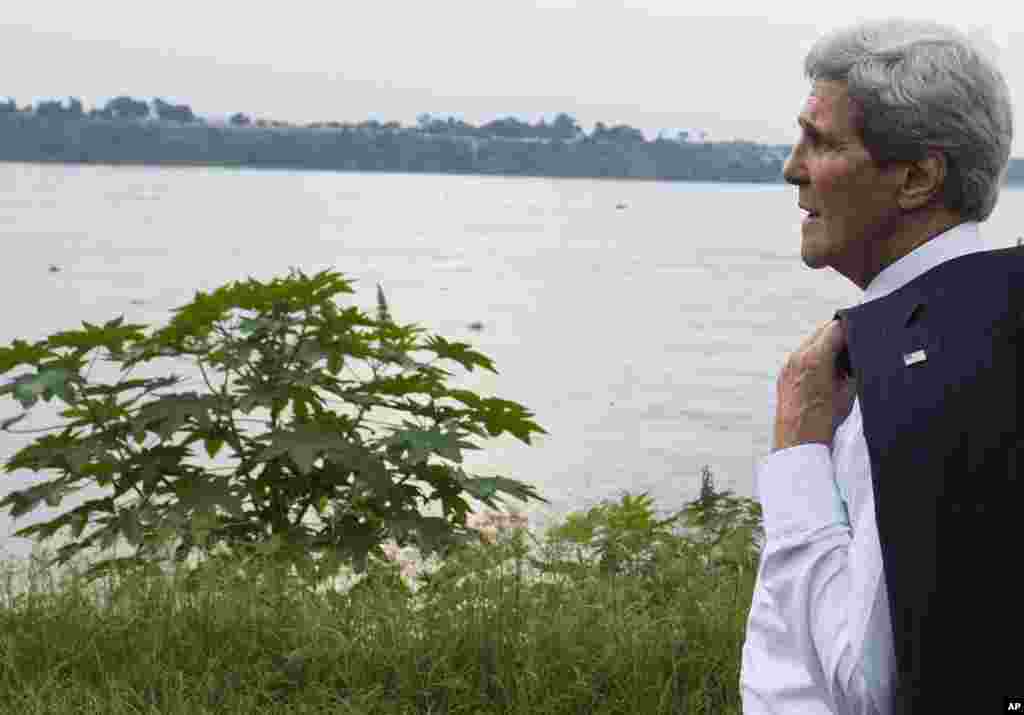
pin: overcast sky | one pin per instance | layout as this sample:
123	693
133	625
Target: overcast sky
733	70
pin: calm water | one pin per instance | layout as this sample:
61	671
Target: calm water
646	339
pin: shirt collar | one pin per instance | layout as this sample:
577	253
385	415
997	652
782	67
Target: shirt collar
960	240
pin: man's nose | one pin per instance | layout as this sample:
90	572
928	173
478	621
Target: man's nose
792	170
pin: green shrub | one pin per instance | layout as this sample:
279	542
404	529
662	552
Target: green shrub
289	353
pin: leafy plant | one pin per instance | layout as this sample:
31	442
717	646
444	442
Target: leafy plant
621	534
719	527
728	529
289	353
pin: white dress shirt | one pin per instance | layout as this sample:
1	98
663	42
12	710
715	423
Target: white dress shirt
819	637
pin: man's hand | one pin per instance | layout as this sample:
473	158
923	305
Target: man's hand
812	399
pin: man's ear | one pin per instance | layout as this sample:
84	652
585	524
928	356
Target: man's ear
923	181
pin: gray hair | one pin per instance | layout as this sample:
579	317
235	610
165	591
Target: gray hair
919	85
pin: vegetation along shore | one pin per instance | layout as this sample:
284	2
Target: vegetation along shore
133	131
613	611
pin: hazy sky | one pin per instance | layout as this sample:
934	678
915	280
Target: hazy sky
733	70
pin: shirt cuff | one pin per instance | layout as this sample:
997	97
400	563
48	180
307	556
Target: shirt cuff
798	491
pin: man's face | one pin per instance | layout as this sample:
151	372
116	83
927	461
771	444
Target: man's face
855	201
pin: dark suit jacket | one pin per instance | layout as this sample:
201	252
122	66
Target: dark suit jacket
946	457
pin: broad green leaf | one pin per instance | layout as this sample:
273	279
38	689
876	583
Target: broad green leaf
21	353
460	353
422	443
28	390
78	524
470	399
205	494
310	352
301	411
22	502
213	446
334	363
486	487
247	326
110	336
170	412
78	457
303	444
53	495
129	524
55	381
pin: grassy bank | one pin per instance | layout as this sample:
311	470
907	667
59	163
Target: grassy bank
634	622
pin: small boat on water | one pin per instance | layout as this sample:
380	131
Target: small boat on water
53	268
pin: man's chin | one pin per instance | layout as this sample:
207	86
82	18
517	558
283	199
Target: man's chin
813	258
817	248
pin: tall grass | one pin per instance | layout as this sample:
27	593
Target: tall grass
629	623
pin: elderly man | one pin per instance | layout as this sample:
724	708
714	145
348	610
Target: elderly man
886	583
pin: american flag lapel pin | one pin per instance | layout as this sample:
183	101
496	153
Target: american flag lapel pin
914	358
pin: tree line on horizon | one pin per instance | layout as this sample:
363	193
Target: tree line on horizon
132	131
564	127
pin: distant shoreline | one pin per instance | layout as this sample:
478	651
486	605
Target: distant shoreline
122	142
187	164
